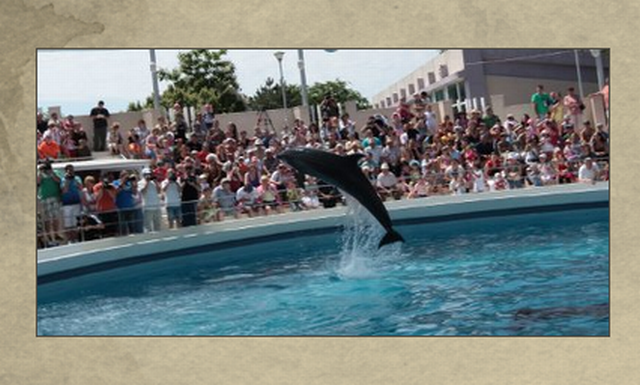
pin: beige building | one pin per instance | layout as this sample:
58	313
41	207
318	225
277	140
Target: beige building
504	79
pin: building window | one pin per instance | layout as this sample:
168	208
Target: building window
463	95
439	95
444	71
432	77
395	97
376	106
388	102
403	93
420	83
412	89
453	92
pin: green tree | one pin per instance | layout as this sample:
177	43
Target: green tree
269	96
134	106
203	76
341	93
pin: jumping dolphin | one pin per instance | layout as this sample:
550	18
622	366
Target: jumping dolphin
344	173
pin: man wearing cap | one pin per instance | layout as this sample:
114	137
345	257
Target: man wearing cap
100	116
150	192
387	184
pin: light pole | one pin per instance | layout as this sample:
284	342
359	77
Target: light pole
303	80
279	55
154	79
575	51
597	54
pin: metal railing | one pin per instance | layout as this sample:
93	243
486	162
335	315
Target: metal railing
131	221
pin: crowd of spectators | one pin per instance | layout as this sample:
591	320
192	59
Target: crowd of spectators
205	172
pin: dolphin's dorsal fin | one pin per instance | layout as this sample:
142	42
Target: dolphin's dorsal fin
355	158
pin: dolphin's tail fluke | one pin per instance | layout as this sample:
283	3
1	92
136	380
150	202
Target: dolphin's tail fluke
390	237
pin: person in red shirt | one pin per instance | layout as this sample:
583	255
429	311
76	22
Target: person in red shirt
105	194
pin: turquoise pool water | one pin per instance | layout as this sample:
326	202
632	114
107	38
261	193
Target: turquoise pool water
537	274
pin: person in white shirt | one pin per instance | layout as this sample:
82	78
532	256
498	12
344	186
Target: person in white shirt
247	197
430	121
150	192
588	172
171	191
387	184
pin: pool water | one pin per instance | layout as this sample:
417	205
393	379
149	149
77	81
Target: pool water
536	274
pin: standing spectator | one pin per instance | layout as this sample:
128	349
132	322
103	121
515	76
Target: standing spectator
556	108
329	107
114	139
540	102
150	192
172	192
88	196
189	199
574	107
105	193
71	187
126	203
100	117
41	123
208	116
49	195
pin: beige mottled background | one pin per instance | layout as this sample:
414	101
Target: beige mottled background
28	24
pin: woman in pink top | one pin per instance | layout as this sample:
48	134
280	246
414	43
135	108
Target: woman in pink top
573	106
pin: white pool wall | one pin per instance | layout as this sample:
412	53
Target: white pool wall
80	255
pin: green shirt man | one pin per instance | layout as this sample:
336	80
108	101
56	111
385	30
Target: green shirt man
541	102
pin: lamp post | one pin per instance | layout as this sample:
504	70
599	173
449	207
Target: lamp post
303	79
575	52
279	55
154	79
597	54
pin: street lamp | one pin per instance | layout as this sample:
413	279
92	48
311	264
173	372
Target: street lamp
154	79
279	55
597	54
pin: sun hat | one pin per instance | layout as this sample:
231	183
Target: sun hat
384	166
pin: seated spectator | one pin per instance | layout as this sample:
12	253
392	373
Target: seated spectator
48	148
310	193
420	189
83	151
207	211
294	196
269	196
225	200
387	184
588	172
514	171
247	198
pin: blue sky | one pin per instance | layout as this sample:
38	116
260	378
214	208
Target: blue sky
77	79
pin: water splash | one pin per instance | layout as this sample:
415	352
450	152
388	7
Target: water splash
359	253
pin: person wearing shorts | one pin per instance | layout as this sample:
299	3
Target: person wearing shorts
49	196
71	187
171	193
